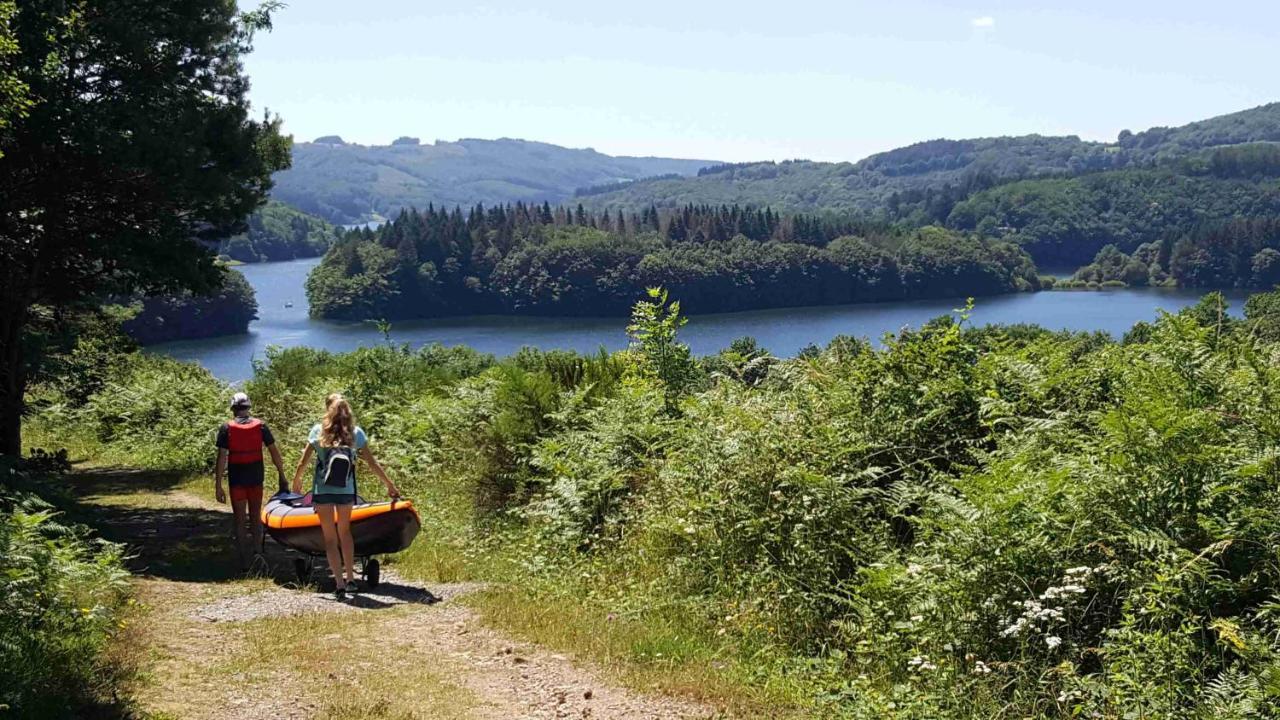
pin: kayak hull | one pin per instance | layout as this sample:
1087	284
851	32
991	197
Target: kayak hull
376	528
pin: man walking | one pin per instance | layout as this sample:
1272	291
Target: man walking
240	444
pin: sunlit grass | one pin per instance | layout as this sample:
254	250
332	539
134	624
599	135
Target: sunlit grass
354	663
659	652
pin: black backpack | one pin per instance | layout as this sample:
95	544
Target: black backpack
339	466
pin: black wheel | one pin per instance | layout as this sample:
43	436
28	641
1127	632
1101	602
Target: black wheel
372	573
302	566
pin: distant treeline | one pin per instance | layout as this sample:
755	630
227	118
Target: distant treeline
1244	252
612	186
567	261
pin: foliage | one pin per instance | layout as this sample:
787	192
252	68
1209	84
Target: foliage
136	147
659	355
1241	252
906	176
61	596
1260	123
14	99
1067	221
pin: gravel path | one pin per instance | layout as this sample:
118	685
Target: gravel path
511	679
287	601
519	680
198	620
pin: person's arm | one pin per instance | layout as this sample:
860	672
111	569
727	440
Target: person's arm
220	469
302	465
377	470
278	461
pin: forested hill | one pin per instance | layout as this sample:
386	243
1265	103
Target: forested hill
940	171
279	232
347	183
1065	221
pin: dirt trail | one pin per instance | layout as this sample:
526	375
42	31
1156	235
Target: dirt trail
212	644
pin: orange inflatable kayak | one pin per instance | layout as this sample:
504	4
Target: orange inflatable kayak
377	528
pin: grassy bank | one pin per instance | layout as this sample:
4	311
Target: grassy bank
1001	522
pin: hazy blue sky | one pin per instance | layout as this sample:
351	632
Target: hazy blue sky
748	80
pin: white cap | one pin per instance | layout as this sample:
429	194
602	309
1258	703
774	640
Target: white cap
240	400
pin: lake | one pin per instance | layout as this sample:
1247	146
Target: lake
282	320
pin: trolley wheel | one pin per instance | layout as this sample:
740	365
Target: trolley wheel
302	566
372	573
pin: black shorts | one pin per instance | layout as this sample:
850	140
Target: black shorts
245	473
333	499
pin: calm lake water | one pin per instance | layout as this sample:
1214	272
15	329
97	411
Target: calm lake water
784	331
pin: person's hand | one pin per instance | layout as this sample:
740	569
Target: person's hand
219	495
284	485
392	490
297	486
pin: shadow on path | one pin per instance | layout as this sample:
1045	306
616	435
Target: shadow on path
171	535
136	508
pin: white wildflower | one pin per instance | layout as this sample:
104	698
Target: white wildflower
1053	641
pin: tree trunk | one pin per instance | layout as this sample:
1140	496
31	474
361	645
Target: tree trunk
13	382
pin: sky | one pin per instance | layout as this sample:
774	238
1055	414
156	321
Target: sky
748	80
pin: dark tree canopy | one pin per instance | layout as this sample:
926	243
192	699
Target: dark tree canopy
136	151
187	316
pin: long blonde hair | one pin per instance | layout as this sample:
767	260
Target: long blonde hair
338	428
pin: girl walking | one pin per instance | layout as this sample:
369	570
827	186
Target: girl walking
336	442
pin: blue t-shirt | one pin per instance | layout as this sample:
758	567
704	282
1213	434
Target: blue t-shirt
322	460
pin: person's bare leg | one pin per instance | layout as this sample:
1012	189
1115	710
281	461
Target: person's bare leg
255	523
348	543
331	543
243	552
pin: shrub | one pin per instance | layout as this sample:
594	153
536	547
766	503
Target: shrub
61	593
157	412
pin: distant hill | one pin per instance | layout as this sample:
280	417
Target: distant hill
937	171
345	183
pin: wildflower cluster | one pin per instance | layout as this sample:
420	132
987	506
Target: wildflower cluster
1043	614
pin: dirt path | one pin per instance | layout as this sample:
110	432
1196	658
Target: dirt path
212	644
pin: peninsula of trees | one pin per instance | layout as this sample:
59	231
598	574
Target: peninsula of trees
531	259
192	316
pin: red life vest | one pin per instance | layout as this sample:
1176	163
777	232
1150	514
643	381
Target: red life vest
244	442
